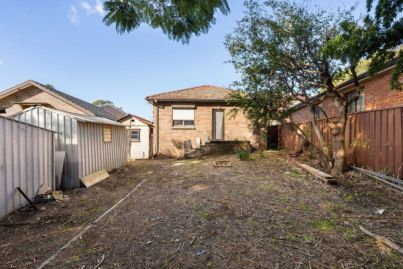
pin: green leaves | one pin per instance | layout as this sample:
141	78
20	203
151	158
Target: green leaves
179	19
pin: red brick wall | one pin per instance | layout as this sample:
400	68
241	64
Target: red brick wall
378	95
35	95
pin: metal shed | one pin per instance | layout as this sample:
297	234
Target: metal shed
26	161
91	143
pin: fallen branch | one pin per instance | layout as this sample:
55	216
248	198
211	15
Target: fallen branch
383	240
100	261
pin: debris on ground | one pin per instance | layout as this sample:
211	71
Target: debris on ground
59	196
222	163
317	173
383	240
260	214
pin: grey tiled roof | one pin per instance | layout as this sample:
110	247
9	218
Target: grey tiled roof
116	112
98	111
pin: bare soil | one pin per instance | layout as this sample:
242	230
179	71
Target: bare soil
263	213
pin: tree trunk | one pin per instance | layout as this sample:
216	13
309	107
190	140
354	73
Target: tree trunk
338	127
324	152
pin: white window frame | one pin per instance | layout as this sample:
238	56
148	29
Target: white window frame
183	117
139	135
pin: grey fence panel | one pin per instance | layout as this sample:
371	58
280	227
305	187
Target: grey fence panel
26	161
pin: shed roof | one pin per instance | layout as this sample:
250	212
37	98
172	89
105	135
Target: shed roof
78	117
203	93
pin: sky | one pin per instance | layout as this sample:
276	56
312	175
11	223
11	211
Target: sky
66	44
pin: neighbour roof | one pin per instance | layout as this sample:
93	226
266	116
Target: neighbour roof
78	117
85	106
138	118
345	84
116	112
204	93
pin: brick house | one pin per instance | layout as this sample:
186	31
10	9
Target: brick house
32	93
192	117
373	135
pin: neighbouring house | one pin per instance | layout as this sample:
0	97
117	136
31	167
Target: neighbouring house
374	137
32	93
141	135
90	143
188	119
89	135
115	112
26	161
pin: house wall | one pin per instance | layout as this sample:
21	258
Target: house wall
26	161
373	137
34	95
94	154
171	140
378	95
139	149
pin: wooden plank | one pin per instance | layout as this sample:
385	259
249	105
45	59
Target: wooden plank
317	173
94	178
391	144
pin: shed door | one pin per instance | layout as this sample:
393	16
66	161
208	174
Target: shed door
218	124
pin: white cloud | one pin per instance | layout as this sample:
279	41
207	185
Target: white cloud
97	8
73	15
87	7
1	62
100	8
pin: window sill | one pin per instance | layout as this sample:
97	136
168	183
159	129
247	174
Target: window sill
135	140
183	127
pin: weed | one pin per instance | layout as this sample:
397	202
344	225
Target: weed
303	206
203	214
349	234
324	225
308	238
290	236
243	155
348	197
74	258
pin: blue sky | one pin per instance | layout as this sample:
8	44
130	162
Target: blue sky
66	44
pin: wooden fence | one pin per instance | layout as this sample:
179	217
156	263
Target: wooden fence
373	139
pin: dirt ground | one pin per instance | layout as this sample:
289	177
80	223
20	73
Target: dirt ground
263	213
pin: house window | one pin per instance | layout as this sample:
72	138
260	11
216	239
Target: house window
107	134
183	117
135	135
356	101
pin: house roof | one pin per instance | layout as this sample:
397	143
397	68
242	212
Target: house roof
76	102
78	117
138	118
203	93
116	112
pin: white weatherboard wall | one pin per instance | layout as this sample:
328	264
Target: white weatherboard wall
26	161
139	149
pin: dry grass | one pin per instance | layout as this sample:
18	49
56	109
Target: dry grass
263	213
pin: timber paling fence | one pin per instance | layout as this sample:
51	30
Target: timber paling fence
373	140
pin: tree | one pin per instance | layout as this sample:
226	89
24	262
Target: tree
305	52
102	103
285	42
384	26
179	19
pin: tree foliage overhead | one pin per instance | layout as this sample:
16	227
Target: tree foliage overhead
179	19
102	103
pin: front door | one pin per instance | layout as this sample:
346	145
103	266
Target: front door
218	124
